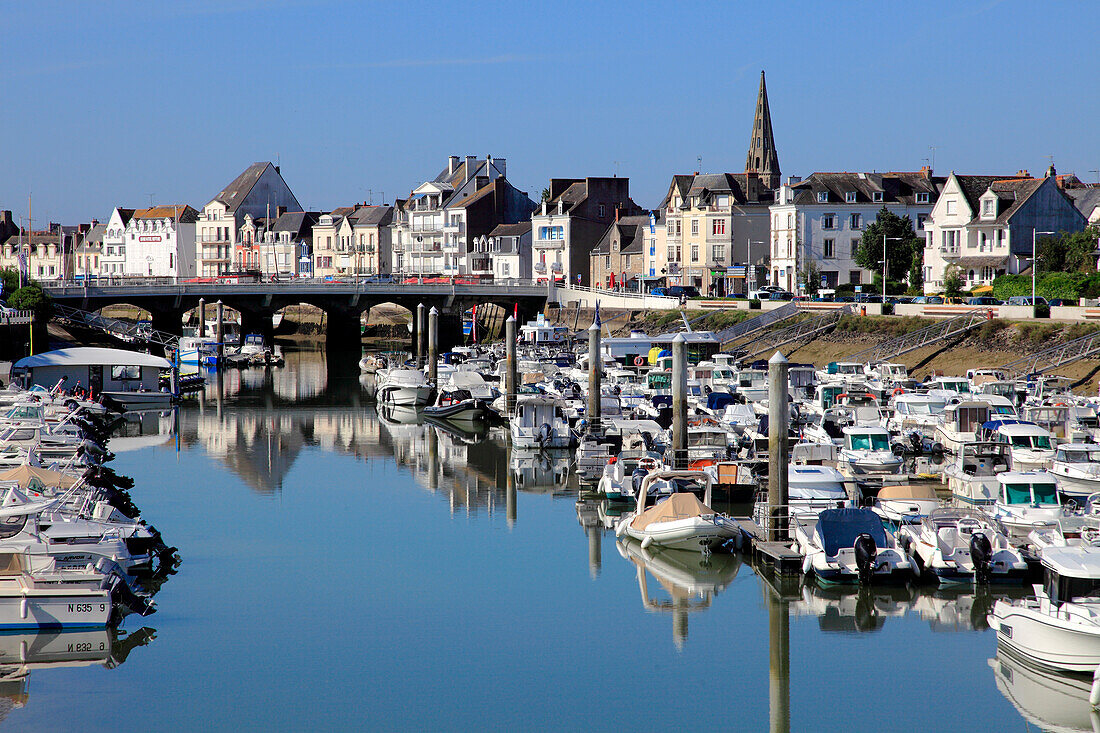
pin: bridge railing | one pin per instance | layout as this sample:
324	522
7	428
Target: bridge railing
11	317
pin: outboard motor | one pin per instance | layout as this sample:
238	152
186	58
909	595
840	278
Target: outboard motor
636	479
545	432
981	552
866	551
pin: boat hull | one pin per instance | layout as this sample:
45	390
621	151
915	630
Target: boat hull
695	533
1044	639
405	396
55	611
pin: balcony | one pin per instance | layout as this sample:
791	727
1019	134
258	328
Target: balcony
540	267
549	243
456	227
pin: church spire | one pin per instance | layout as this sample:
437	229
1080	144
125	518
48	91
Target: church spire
762	158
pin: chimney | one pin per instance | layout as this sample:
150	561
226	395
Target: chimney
471	160
452	164
5	217
279	211
95	222
1023	174
618	210
278	169
926	171
1051	172
791	180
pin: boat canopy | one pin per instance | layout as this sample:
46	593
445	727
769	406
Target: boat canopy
907	491
682	505
838	528
1081	561
92	356
719	400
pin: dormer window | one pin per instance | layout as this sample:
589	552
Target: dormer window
850	197
876	196
922	197
987	207
823	197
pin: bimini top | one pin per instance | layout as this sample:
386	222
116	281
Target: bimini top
88	356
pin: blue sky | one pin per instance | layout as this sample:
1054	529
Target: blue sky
105	103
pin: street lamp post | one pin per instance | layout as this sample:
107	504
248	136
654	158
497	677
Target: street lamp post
884	238
750	266
1035	264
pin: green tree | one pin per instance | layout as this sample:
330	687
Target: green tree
32	298
952	281
1068	251
9	280
812	276
903	246
545	195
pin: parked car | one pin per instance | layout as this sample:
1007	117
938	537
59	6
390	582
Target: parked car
779	295
659	291
686	291
1026	300
983	300
1062	301
761	293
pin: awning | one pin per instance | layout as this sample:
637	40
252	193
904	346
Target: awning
982	261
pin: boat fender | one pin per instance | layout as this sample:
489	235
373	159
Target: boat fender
897	391
866	551
620	530
807	564
1094	695
647	542
937	449
981	552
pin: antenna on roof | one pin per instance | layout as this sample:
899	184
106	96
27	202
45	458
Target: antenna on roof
616	162
150	195
1097	172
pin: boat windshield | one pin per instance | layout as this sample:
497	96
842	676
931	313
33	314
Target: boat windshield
1060	588
1004	410
924	408
659	380
849	369
1045	493
1040	442
952	385
1074	456
869	441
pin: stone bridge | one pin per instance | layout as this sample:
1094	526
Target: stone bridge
342	302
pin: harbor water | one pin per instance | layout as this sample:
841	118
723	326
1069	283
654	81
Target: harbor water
347	569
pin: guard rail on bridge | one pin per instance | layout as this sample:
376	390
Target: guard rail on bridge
166	286
10	317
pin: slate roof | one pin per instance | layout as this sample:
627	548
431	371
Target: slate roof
236	192
96	234
631	229
1085	199
895	187
298	223
372	216
707	185
125	215
475	196
511	230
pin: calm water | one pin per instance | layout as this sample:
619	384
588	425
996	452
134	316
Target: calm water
341	570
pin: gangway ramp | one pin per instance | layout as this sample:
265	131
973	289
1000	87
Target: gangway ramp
1056	356
940	332
123	330
805	329
758	323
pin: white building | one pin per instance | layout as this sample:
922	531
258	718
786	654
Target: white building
821	220
113	261
510	248
985	226
160	242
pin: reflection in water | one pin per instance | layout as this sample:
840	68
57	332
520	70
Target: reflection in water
690	580
1052	701
543	471
21	653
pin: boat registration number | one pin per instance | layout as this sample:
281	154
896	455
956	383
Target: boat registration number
1005	630
86	607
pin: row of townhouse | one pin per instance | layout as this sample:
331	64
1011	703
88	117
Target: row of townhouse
723	233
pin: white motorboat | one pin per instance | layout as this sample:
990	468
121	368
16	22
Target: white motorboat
849	545
679	520
901	504
866	450
810	491
914	411
961	423
457	405
36	594
1026	501
593	455
539	422
1076	470
961	546
1030	447
1059	627
623	475
972	476
371	363
404	388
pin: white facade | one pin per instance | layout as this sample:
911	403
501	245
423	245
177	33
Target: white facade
160	242
113	261
822	220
